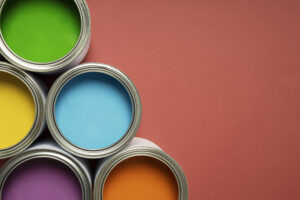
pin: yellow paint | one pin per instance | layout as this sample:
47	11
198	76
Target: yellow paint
17	110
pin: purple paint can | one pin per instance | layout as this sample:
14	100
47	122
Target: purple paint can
46	172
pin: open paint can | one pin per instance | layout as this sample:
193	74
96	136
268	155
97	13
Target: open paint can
44	171
22	110
93	110
141	171
44	35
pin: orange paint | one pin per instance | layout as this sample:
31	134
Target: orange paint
141	178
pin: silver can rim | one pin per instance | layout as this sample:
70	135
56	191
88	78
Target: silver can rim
99	68
39	101
158	154
79	48
68	161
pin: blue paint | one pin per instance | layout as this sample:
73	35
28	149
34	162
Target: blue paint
93	110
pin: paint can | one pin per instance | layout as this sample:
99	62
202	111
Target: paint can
110	168
55	33
93	110
45	171
22	104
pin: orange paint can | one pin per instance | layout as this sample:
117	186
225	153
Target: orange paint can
141	171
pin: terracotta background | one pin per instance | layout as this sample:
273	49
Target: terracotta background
220	87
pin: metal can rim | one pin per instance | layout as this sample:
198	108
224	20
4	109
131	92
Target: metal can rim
158	154
39	101
79	48
136	110
69	161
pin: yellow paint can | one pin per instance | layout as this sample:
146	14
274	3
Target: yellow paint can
17	110
21	110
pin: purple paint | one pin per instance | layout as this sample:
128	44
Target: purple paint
45	179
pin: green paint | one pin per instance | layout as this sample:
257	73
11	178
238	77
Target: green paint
40	30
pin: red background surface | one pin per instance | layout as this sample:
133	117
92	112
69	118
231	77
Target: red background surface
220	87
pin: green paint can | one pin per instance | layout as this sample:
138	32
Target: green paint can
44	35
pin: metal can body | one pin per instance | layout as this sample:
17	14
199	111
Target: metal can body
49	150
98	69
74	57
139	147
38	95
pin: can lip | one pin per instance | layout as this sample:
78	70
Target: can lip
136	110
69	161
158	154
39	101
79	49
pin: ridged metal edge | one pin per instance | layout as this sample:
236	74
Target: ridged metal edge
109	164
100	68
51	153
39	100
74	57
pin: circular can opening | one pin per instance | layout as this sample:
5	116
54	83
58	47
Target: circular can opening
140	177
18	110
42	178
93	110
40	31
